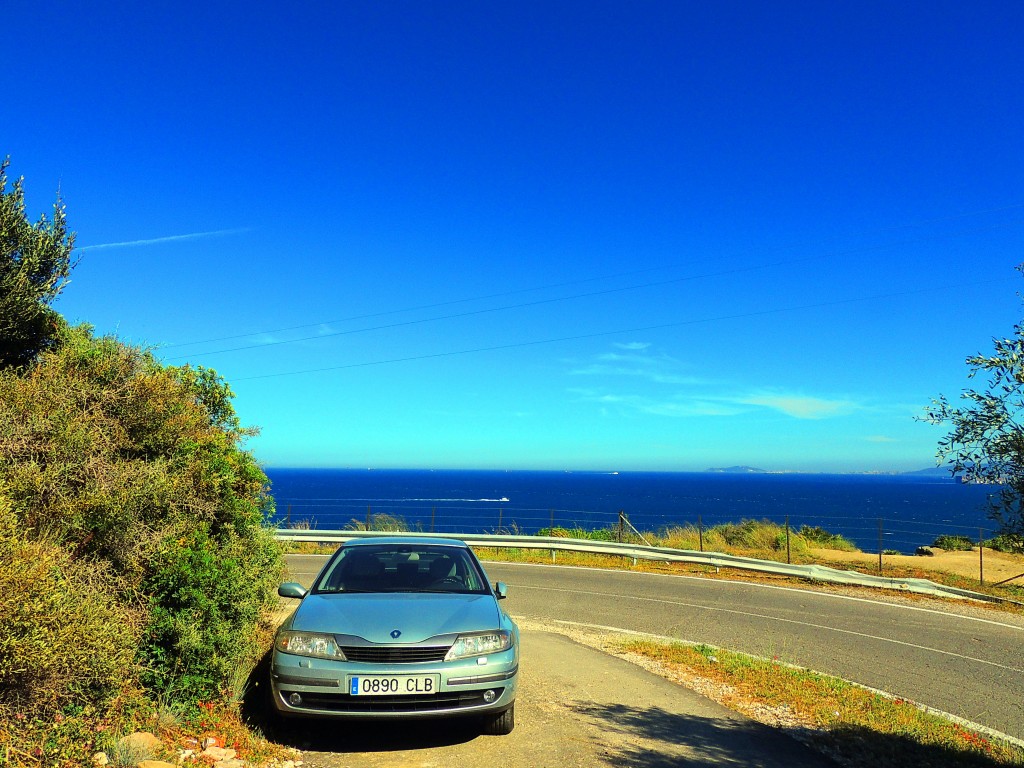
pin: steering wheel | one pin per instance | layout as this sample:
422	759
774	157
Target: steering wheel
450	580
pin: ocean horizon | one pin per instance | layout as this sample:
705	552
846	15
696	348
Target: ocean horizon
912	509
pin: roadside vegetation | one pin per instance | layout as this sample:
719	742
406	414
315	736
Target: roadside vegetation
137	571
759	539
852	724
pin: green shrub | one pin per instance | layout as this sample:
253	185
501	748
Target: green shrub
953	543
201	593
819	537
754	536
137	468
1006	543
65	643
380	521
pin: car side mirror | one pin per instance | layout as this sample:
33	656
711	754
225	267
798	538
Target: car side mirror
291	589
501	590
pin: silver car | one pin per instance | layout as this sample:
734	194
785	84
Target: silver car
398	627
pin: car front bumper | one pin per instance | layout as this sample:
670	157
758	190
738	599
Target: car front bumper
319	688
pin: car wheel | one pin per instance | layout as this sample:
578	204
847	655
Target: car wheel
501	724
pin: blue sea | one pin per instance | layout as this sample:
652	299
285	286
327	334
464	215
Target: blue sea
913	509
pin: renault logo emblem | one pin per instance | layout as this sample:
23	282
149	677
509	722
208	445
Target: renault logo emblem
395	634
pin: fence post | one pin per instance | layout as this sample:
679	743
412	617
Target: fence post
288	523
368	517
787	540
500	512
620	526
433	513
879	546
981	556
700	532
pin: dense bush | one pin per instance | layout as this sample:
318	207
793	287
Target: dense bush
753	535
1006	543
65	642
953	543
819	537
129	488
381	521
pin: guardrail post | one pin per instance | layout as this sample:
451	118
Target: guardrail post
551	531
879	546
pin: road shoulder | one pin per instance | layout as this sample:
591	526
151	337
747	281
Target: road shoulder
577	707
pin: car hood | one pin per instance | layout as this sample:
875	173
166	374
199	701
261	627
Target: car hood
375	617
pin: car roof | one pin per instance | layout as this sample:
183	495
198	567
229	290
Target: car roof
407	540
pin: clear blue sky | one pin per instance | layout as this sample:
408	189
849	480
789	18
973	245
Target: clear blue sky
639	235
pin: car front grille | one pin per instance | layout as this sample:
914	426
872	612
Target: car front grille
343	702
391	654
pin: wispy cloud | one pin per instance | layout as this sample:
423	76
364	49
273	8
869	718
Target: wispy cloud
687	404
633	346
693	396
690	407
160	240
660	369
800	406
678	407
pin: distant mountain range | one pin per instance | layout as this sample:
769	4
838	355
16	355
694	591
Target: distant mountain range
745	470
934	471
736	470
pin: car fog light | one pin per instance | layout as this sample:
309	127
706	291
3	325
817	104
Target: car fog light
295	700
490	696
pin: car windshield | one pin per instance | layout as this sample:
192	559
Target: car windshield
402	568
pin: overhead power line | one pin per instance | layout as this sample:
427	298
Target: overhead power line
637	329
581	281
559	299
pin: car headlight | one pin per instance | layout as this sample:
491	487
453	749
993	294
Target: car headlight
309	644
479	644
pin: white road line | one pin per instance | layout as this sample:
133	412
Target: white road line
808	624
756	585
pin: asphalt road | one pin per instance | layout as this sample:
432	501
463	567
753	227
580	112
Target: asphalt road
970	666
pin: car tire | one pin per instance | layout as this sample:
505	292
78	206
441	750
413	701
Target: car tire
501	724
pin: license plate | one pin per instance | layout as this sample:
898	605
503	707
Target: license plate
393	685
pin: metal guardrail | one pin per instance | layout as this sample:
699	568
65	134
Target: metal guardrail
663	554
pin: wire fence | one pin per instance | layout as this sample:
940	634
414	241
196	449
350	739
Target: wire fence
876	536
869	534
